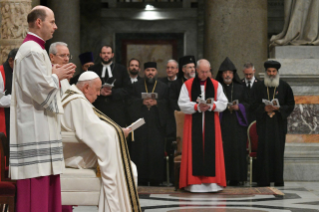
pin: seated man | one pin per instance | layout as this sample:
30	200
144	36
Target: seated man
103	141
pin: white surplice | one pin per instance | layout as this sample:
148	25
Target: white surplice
35	131
188	107
100	143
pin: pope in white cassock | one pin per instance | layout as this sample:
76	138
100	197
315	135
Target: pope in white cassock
106	144
202	165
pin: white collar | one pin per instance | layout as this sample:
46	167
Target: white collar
251	81
31	33
173	79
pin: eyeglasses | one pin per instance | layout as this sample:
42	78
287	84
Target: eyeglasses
65	55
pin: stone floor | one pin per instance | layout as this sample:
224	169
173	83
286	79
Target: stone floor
299	197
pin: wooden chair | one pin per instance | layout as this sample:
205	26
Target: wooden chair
252	147
7	186
179	117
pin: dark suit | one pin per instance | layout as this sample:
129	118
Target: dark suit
114	105
248	91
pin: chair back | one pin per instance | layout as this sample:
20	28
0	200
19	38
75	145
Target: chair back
252	137
179	118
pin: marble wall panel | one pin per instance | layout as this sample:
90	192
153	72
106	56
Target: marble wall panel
304	119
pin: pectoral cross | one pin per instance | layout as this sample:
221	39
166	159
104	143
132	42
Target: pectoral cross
271	114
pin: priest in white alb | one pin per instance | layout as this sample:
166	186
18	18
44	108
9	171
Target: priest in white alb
36	157
202	165
104	144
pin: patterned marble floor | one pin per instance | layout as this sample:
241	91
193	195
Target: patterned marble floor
299	197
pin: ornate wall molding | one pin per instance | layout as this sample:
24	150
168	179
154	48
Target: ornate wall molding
14	26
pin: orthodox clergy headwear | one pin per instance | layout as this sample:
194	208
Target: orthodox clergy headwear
227	65
86	57
184	61
88	75
150	65
272	64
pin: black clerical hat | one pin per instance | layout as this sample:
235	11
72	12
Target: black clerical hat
227	65
272	64
184	61
86	57
150	65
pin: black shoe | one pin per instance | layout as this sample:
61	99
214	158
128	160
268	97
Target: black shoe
279	184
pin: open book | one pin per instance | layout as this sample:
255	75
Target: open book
235	102
137	124
145	95
109	85
209	101
274	102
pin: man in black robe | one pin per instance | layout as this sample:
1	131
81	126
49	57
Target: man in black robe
87	61
249	82
134	70
271	124
171	71
187	71
147	149
233	124
112	99
7	68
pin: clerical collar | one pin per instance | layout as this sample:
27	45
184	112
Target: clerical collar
33	37
202	82
173	79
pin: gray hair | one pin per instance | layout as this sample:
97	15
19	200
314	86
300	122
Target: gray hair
52	49
248	65
172	60
201	60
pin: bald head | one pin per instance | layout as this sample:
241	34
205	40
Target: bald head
42	22
203	69
38	12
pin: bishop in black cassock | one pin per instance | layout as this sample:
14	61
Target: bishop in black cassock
271	124
147	149
233	124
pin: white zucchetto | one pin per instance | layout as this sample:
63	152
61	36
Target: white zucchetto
88	75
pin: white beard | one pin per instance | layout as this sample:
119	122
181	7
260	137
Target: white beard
271	82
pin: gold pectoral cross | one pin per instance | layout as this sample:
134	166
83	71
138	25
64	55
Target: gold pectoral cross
271	114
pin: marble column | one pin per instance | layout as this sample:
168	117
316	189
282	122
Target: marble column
67	18
14	26
237	29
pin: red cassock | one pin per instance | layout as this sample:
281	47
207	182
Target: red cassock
2	115
186	172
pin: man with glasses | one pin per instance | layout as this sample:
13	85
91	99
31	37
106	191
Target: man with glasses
60	55
249	82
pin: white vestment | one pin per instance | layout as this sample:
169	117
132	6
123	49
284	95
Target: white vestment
188	107
101	143
35	130
65	85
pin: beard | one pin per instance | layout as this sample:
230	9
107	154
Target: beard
271	81
150	80
133	72
228	80
107	61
